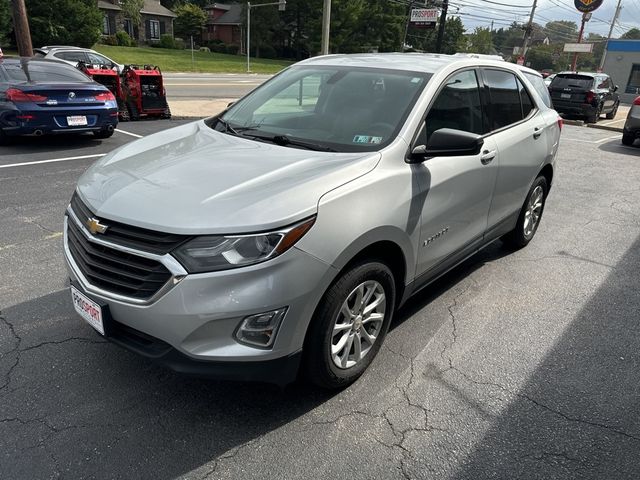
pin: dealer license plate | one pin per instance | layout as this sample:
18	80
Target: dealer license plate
565	95
77	120
87	309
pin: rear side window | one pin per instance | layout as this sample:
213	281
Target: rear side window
583	82
504	107
71	56
457	105
525	99
44	72
540	87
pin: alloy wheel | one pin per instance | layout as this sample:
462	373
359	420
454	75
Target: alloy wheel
534	211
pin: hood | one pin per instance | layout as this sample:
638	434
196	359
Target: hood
194	180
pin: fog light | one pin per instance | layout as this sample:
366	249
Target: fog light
260	330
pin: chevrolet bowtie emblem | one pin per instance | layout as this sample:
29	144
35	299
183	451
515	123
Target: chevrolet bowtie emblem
95	226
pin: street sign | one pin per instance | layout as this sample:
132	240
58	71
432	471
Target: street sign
578	47
587	5
424	17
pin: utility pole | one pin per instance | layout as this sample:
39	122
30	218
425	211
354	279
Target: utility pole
528	30
443	20
281	6
21	28
585	19
326	27
406	27
613	24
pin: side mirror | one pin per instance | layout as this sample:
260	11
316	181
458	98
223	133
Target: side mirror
615	88
447	142
230	104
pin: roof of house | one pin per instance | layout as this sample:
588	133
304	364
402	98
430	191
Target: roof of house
108	5
219	6
233	15
153	7
150	7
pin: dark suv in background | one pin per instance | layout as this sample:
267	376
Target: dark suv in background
584	94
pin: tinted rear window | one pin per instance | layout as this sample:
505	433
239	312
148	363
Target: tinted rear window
43	72
541	88
505	107
573	81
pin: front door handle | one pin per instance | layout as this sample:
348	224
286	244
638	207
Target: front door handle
537	132
487	156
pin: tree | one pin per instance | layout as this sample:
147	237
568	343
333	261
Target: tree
131	10
631	34
5	21
190	20
479	42
64	22
561	31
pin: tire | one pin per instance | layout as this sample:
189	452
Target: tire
4	138
103	134
593	118
627	139
320	354
612	114
524	232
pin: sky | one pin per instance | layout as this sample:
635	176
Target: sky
476	13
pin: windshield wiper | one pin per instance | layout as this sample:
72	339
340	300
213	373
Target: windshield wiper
227	128
284	140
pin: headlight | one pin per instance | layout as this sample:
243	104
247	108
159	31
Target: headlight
215	252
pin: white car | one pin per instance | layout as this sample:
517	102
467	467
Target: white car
73	55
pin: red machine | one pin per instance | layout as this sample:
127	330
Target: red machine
110	79
144	92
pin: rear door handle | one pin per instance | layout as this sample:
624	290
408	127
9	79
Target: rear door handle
487	156
537	132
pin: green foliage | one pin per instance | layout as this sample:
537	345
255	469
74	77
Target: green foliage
561	31
64	22
167	41
109	40
478	42
631	34
426	39
131	9
190	21
5	21
124	40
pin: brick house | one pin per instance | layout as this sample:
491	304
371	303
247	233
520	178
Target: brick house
156	20
224	23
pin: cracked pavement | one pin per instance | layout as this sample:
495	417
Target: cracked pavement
515	365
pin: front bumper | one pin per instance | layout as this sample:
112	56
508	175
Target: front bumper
195	319
632	124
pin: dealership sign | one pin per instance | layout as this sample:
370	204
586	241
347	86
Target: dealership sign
424	17
578	47
587	5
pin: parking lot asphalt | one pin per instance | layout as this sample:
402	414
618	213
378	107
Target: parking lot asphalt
515	365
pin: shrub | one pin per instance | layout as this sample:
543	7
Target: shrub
233	49
123	39
166	41
267	51
109	40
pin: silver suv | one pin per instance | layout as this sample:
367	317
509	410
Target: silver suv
280	236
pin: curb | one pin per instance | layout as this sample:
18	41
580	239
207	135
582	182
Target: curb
605	127
188	117
578	123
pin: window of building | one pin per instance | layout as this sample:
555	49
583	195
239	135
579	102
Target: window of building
154	29
105	25
633	85
128	26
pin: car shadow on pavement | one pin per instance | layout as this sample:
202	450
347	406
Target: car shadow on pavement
577	416
79	406
616	146
51	143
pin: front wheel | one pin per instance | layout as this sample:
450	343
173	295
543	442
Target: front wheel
349	325
530	215
628	139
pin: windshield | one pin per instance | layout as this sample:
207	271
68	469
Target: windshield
333	108
572	81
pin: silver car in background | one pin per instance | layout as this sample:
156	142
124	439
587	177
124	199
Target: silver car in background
278	238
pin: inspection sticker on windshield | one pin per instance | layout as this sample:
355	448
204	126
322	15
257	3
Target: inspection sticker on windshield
367	139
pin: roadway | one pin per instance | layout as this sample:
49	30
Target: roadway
515	365
189	86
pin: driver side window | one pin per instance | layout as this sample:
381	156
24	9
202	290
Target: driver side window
457	106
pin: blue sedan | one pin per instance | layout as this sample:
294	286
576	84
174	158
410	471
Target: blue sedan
41	97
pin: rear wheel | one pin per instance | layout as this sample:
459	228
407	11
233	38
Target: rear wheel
4	138
612	114
628	139
530	215
594	117
349	325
